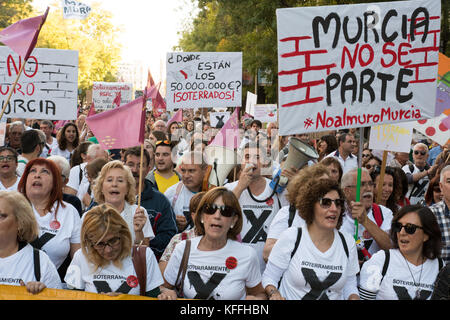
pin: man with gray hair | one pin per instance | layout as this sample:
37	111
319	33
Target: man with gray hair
192	168
419	173
16	129
78	183
374	221
441	211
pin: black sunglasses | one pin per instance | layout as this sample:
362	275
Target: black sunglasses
409	227
225	211
326	203
421	152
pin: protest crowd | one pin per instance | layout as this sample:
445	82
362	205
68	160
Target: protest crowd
200	207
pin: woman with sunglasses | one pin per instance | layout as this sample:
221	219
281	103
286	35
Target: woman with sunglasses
220	267
315	261
104	264
410	269
372	164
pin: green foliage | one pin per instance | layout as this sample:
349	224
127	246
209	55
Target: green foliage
13	10
250	26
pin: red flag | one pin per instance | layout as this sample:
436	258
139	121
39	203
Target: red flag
117	99
116	128
22	36
91	110
150	82
159	105
228	136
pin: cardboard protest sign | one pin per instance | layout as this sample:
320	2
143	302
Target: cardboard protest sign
391	137
204	79
47	88
357	65
218	119
250	103
104	93
75	10
265	112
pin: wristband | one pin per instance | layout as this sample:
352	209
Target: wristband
272	292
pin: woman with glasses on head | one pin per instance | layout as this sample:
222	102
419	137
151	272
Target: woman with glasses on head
59	222
219	267
315	261
410	269
104	264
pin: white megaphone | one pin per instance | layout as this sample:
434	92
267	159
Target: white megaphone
222	160
298	155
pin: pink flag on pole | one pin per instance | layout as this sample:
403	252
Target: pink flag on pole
178	117
91	110
228	136
22	36
117	99
122	127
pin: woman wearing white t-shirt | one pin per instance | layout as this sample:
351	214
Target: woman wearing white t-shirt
59	222
409	270
116	186
68	139
18	227
219	267
316	261
105	264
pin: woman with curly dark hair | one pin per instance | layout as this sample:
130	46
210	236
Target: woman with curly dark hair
68	139
315	261
409	270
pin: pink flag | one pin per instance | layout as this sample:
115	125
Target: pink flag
91	110
178	117
22	36
228	136
117	99
122	127
150	82
60	124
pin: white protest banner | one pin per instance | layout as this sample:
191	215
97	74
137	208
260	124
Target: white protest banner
47	88
357	65
265	112
391	137
2	131
199	79
75	10
104	93
218	119
434	129
250	103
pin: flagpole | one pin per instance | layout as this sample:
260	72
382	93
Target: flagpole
12	89
140	175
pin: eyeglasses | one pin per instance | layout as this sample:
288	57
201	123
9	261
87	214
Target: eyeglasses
326	203
409	227
421	152
7	158
369	166
225	211
111	243
164	142
365	155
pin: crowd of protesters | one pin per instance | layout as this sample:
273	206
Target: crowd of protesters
72	214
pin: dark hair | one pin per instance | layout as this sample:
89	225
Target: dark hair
56	194
76	159
62	141
257	122
402	182
159	135
391	202
332	143
311	192
29	140
13	151
136	151
229	199
95	166
343	137
332	160
429	197
432	247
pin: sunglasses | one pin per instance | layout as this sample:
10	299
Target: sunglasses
409	227
421	152
111	243
225	211
326	203
164	142
365	155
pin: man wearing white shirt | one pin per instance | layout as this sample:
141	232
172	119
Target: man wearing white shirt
344	154
50	142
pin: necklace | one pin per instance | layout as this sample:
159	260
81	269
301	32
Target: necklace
417	285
